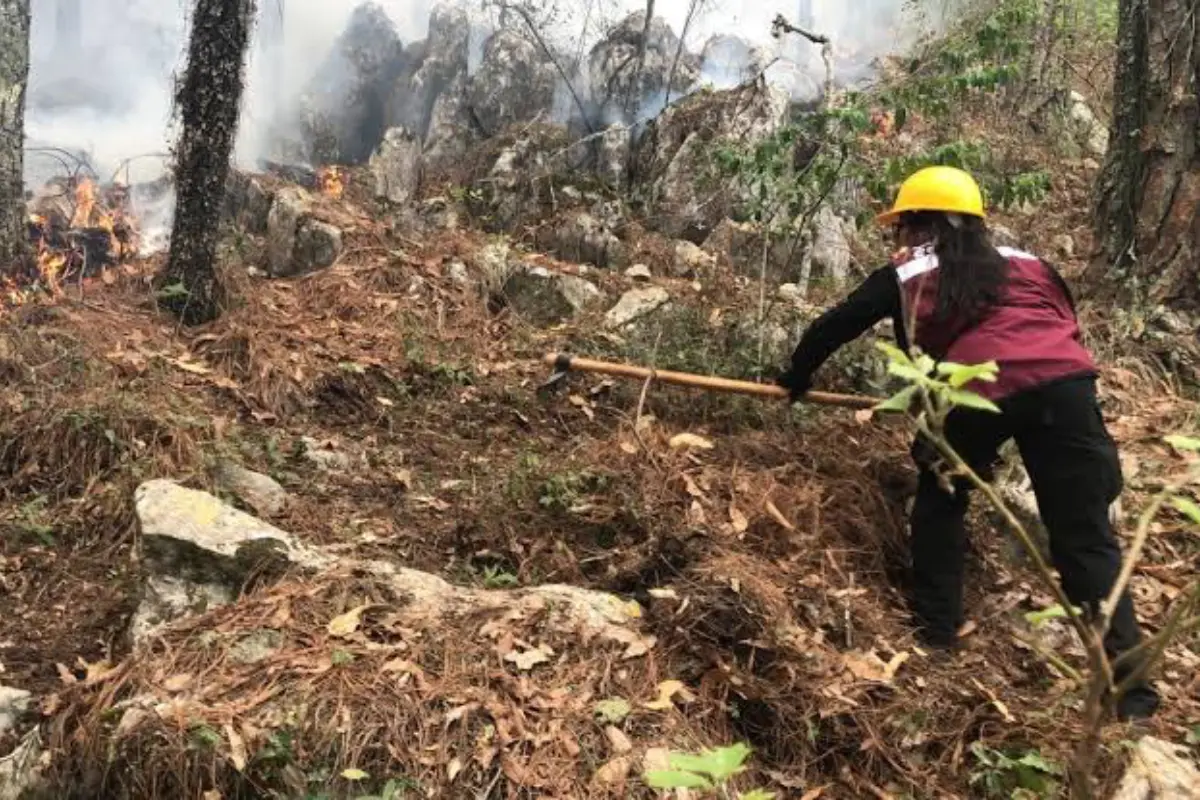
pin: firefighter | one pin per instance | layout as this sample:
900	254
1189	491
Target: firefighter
958	298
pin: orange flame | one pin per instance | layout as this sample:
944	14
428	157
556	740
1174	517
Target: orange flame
331	182
85	204
90	214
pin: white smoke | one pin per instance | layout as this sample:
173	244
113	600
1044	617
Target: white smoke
103	71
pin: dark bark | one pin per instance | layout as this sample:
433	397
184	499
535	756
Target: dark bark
14	75
1147	218
208	100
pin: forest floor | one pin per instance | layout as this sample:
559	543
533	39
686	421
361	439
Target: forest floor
770	566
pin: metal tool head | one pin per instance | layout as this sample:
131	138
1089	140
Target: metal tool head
558	378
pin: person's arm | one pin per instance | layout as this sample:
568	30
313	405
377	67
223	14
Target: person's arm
875	299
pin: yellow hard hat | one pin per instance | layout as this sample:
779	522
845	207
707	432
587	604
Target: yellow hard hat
936	189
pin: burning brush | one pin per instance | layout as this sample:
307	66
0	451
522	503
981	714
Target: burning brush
331	183
77	229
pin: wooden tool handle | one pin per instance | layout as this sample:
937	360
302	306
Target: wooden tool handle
705	382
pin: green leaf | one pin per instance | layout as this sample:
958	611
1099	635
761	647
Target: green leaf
899	401
672	779
959	375
757	794
971	400
354	774
911	374
719	764
1183	443
1035	760
1187	507
894	353
1040	618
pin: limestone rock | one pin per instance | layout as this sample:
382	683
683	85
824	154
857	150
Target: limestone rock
430	100
639	273
290	207
247	202
318	245
635	304
296	243
21	770
544	298
450	126
1159	770
618	89
586	239
691	261
612	151
431	214
492	262
340	114
261	492
727	61
198	552
13	705
514	83
396	166
1090	128
675	150
830	252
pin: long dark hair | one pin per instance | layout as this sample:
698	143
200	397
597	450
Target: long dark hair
971	271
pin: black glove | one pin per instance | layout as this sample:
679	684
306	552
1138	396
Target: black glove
796	383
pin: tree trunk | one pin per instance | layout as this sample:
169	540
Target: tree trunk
1147	218
14	73
208	100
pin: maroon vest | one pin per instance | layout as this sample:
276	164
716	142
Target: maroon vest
1032	333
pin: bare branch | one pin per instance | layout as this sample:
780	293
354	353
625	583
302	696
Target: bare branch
781	26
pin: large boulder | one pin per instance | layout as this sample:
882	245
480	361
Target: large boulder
199	553
674	161
586	238
729	60
342	111
296	243
619	89
545	298
514	83
247	202
1159	770
636	304
451	129
441	66
828	257
396	166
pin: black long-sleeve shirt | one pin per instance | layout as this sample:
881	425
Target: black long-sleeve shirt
875	299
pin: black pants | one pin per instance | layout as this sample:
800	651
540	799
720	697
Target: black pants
1076	474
